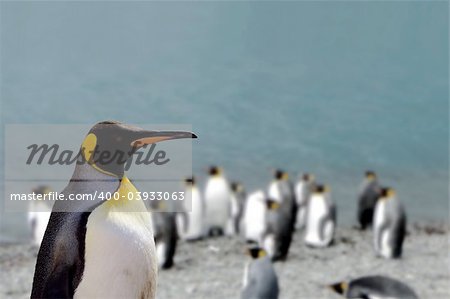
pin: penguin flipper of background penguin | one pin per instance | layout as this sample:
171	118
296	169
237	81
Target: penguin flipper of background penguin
398	236
60	262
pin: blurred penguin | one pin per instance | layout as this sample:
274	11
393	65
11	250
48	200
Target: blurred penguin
165	233
367	199
321	218
281	190
278	235
260	279
254	221
190	222
39	212
389	225
372	287
303	191
237	206
218	203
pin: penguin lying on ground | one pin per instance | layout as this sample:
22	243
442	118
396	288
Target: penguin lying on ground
321	218
368	196
303	191
374	287
218	204
260	279
101	248
389	225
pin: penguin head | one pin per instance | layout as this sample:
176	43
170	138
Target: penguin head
280	175
340	287
214	171
110	144
370	175
236	187
387	193
190	181
321	189
272	205
256	252
42	189
307	177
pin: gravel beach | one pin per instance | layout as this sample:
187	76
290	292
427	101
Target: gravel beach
213	268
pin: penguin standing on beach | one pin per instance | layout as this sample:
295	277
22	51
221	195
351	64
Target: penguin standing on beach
191	220
165	233
368	196
373	287
389	225
278	234
38	215
254	221
237	206
218	203
321	218
303	190
260	279
104	247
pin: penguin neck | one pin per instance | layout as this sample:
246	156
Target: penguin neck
85	172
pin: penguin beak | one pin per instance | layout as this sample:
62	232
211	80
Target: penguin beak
150	137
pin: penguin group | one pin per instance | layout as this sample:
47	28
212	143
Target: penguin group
89	250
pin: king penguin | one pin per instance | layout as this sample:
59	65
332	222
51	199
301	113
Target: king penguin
389	225
165	233
367	198
260	280
321	218
303	190
237	206
101	248
38	215
191	221
278	234
218	203
374	287
254	222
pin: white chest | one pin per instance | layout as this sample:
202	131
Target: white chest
120	257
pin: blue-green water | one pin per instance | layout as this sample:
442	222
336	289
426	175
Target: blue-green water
334	88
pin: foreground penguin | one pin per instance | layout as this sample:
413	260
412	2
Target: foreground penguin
217	200
165	232
101	248
368	196
191	221
389	225
303	191
374	287
321	218
237	206
278	235
260	279
38	215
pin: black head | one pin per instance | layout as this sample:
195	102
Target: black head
387	192
256	252
236	187
307	177
340	287
320	188
110	144
370	174
214	170
280	174
272	204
